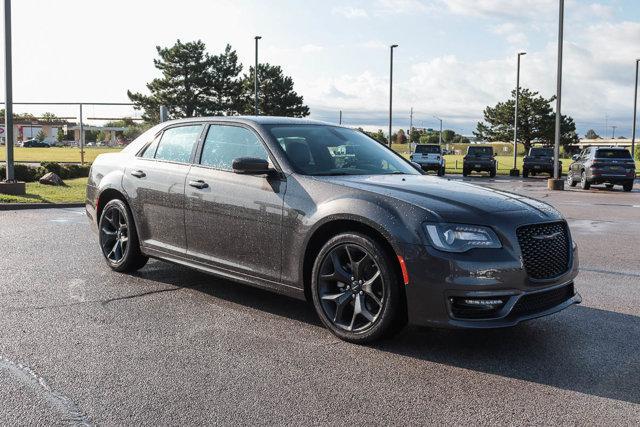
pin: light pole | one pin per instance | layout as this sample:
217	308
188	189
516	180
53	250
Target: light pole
255	80
440	135
393	46
515	171
340	119
8	87
635	107
556	183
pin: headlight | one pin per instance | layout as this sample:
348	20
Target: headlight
461	237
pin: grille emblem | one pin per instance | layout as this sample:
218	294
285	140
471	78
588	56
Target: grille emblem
547	236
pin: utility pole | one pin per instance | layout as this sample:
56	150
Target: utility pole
340	120
514	171
613	128
255	80
556	183
393	46
81	137
410	127
440	135
635	105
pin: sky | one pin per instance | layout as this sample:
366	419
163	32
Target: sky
454	58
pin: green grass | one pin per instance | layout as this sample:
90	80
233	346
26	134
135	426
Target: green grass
73	192
56	154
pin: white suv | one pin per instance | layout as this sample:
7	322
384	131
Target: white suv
430	158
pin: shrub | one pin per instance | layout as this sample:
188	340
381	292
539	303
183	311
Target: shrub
30	174
637	156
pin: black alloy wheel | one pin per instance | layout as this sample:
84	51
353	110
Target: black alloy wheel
355	289
119	239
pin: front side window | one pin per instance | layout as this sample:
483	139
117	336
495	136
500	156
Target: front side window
177	143
224	144
331	150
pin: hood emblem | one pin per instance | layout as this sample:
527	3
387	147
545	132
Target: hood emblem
547	236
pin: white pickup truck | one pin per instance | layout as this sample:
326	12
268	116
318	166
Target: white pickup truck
430	158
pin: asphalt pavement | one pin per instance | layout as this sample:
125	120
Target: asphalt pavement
80	344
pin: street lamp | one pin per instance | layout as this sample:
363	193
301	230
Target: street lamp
514	171
440	136
8	87
556	183
391	90
635	108
255	75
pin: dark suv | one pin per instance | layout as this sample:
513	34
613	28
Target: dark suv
610	166
539	160
479	159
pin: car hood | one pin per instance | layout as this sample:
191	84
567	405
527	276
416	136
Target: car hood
450	200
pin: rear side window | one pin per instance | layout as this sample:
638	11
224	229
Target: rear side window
177	143
612	154
225	143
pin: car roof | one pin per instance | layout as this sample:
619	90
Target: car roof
255	120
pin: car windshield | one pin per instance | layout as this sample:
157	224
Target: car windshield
541	152
612	154
428	149
481	151
331	150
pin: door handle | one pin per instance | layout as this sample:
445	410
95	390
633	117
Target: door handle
138	174
198	184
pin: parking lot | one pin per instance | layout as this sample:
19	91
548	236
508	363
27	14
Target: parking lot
81	344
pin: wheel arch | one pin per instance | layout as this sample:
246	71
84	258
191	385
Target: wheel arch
332	227
105	197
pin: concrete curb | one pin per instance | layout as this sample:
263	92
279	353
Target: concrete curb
23	206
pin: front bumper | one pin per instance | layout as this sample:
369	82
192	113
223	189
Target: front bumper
438	279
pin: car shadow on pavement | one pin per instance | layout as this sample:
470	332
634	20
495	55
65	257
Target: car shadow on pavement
582	349
229	291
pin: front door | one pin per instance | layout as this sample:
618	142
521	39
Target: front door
155	184
234	221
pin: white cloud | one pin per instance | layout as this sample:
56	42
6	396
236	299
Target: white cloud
384	7
350	12
311	48
511	33
519	9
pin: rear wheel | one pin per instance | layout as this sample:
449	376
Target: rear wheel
525	173
627	186
465	172
492	173
584	183
355	289
119	238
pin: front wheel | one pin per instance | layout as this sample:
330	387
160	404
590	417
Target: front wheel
525	173
571	182
492	173
441	171
355	288
119	238
627	186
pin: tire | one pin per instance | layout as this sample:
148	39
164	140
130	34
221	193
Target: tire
441	171
525	173
119	238
609	186
570	181
465	172
355	312
584	183
627	186
492	173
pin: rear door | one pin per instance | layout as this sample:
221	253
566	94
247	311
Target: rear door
233	221
155	183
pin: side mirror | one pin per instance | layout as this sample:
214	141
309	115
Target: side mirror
575	157
251	166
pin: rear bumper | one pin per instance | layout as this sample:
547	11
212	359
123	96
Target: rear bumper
439	280
611	178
